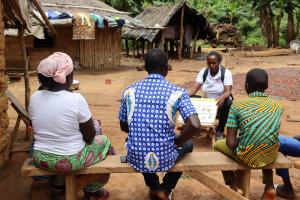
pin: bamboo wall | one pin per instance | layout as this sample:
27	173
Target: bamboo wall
103	53
4	122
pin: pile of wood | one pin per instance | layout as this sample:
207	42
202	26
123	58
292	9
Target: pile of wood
227	35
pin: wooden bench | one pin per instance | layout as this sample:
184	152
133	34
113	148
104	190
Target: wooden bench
195	164
296	164
22	115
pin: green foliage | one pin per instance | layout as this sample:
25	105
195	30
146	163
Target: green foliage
241	13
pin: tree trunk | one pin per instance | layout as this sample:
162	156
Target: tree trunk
291	27
267	24
278	22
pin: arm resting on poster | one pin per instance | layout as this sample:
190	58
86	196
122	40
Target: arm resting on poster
191	129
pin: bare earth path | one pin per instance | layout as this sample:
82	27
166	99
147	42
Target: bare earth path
104	103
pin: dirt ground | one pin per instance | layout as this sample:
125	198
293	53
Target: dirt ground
103	92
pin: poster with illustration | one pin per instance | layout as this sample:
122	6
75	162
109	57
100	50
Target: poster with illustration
206	109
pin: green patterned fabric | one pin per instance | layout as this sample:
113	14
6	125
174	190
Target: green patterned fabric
89	155
258	120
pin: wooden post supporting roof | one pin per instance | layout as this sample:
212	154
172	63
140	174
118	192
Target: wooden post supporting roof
45	18
195	43
127	47
26	76
181	33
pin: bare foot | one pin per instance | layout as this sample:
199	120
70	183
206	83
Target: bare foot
285	192
269	194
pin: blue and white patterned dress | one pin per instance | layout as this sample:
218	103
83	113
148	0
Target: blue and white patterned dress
149	107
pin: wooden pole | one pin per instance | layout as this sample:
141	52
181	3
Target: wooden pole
127	47
181	33
26	70
195	43
26	74
143	48
162	40
133	47
45	18
138	48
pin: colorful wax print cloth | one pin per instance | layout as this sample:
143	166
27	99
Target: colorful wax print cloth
149	107
89	155
258	120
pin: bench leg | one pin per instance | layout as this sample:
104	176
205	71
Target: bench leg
243	178
71	187
14	135
222	189
213	137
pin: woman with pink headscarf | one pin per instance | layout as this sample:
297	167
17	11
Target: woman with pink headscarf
65	139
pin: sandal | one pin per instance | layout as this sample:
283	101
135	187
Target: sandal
101	194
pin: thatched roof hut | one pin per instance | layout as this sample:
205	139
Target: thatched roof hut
178	22
101	51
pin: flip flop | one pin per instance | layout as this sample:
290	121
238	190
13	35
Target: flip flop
96	195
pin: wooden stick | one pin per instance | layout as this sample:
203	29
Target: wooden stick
83	7
45	18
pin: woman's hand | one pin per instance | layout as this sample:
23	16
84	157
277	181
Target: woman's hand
220	101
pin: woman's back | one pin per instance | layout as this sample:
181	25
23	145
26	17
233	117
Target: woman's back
55	118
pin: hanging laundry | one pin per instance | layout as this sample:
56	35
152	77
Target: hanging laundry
119	21
111	22
99	20
64	16
53	14
83	27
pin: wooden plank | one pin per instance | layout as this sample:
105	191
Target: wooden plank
296	164
17	106
243	179
71	187
215	185
206	161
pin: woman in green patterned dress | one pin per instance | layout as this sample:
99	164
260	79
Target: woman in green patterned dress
65	139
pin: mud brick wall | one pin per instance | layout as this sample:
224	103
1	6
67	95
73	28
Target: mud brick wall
4	137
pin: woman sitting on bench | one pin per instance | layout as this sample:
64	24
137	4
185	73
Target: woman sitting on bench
65	137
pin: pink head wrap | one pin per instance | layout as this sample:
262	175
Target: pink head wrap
58	65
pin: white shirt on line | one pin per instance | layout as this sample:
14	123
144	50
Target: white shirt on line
213	86
55	119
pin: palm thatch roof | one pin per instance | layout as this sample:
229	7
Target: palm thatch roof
84	6
154	19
